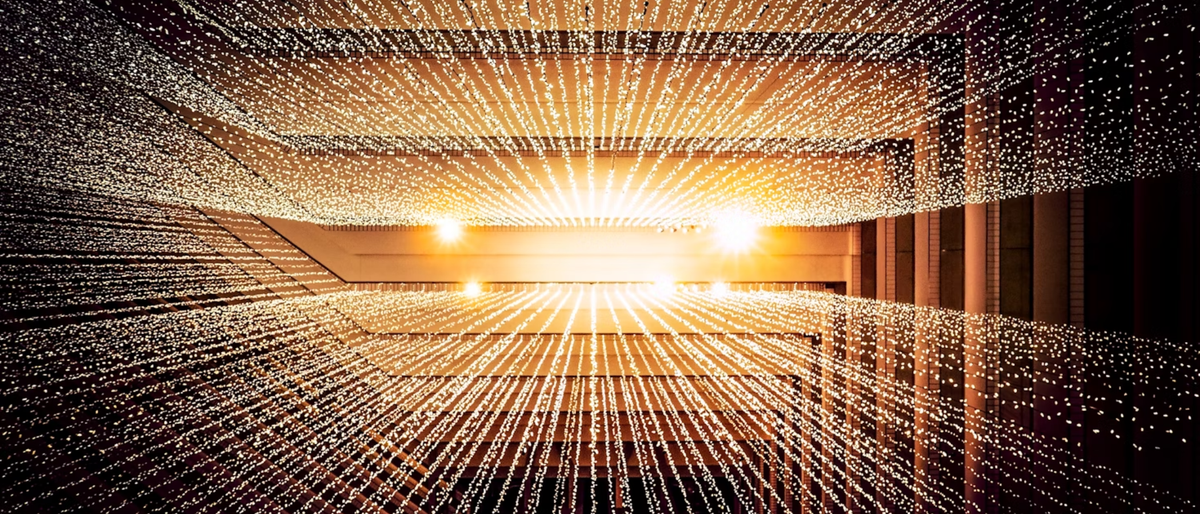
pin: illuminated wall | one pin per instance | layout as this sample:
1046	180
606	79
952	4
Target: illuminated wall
714	254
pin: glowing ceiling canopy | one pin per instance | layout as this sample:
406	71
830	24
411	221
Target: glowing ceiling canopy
568	114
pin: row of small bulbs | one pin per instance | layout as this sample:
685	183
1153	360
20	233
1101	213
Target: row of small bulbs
896	394
123	144
739	350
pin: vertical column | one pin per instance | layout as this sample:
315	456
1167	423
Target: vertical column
981	178
921	258
809	398
1056	150
774	470
887	267
974	363
528	485
868	413
904	387
975	258
946	353
903	350
1075	366
760	478
854	288
993	257
790	477
935	259
832	421
885	438
852	400
925	403
925	410
1057	138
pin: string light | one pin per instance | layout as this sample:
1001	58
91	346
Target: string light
570	373
163	349
762	116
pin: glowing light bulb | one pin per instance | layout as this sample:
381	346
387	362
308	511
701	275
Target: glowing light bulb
449	229
664	286
472	289
736	230
719	289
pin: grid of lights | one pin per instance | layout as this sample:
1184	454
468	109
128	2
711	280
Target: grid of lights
561	115
163	348
762	392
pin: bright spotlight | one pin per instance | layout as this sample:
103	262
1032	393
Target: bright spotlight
719	289
664	286
449	229
736	231
472	289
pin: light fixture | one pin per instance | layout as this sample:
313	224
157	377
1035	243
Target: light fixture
736	230
664	286
449	229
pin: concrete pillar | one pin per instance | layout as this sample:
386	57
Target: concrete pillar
883	254
885	370
790	475
974	356
921	258
853	394
830	421
975	259
924	415
925	367
854	280
809	424
773	477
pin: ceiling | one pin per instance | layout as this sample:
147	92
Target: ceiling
374	113
726	16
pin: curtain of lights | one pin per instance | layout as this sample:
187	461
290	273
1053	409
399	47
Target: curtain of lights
137	375
161	349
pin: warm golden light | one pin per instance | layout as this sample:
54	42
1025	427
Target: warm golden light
664	286
236	276
449	230
736	230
